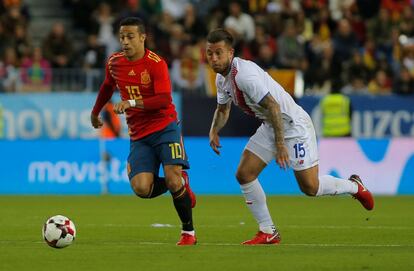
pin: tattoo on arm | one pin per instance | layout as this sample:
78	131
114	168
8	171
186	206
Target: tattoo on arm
274	117
221	115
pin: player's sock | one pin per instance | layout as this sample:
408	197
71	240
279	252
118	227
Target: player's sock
330	185
159	187
256	201
182	203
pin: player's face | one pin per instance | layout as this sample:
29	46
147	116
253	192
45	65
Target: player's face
132	42
219	56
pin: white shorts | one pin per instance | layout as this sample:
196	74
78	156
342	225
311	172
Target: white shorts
300	139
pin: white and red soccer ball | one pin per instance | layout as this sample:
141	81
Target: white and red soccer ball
59	231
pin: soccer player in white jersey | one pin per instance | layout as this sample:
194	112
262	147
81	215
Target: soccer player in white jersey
286	135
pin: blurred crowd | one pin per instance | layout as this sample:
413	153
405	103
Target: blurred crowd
355	46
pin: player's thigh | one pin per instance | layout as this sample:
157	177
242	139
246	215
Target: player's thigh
142	164
170	147
302	145
303	156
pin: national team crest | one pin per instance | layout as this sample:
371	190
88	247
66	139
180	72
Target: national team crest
145	77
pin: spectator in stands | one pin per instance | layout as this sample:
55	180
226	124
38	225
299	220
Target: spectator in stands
174	7
323	70
241	23
193	26
102	26
178	39
356	74
8	71
380	84
252	50
187	72
406	23
57	47
215	18
94	54
404	83
344	41
379	29
408	58
324	25
291	54
21	42
266	58
369	54
35	72
12	18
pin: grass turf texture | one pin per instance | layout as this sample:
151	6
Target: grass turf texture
118	233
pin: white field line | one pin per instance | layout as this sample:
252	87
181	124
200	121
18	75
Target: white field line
5	242
334	227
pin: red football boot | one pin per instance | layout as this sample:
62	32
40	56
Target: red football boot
363	195
187	187
262	238
187	240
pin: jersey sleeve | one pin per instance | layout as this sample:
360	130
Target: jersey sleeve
161	77
109	80
252	85
105	92
222	96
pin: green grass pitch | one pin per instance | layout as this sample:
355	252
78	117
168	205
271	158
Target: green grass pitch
119	233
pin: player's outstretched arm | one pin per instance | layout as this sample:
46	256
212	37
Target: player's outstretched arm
221	115
105	93
275	118
96	121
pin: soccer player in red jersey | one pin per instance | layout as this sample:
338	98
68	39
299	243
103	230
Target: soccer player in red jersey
145	88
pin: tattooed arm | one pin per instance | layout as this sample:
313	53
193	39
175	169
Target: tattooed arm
275	118
221	115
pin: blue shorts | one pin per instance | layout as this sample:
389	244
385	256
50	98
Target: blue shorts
162	147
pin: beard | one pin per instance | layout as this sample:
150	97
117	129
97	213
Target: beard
222	69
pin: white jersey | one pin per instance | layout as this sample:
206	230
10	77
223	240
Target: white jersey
247	84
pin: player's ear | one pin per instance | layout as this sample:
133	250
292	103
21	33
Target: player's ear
143	37
231	51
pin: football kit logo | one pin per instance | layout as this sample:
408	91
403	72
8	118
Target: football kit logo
145	78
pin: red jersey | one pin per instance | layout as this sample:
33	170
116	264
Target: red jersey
145	79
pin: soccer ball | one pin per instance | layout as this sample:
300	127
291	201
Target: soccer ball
59	231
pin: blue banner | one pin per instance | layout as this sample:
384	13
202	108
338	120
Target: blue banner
79	167
53	115
372	116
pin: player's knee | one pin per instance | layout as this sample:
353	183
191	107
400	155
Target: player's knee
139	189
173	179
244	177
309	189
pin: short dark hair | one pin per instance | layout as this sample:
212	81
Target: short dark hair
220	34
133	21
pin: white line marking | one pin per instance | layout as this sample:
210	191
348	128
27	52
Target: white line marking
334	227
228	244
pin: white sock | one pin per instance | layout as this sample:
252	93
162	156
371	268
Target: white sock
256	201
330	185
189	232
